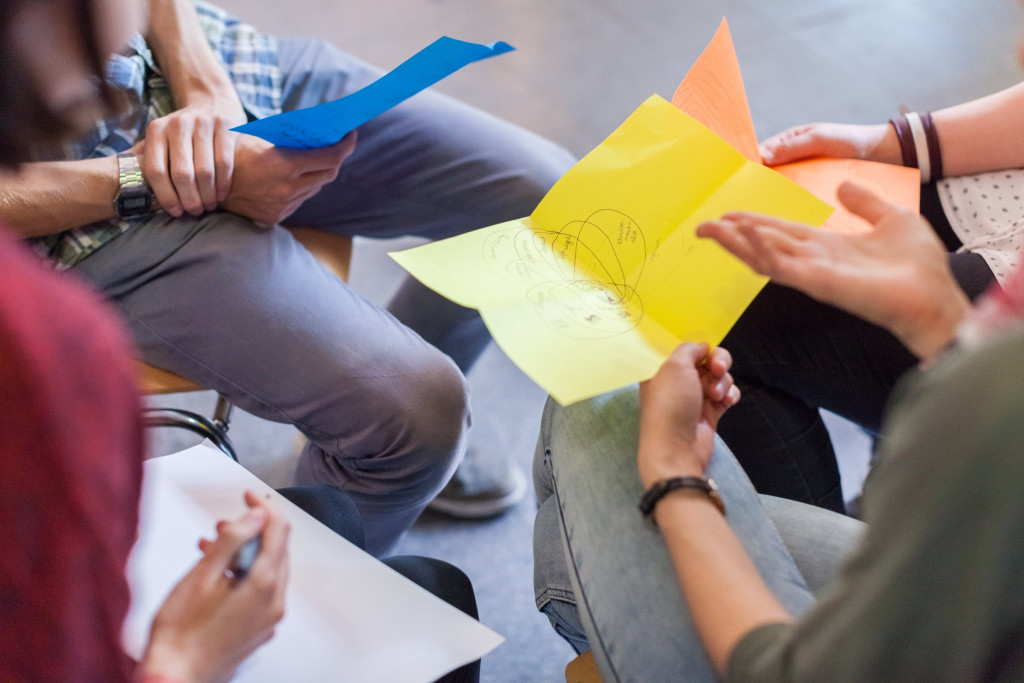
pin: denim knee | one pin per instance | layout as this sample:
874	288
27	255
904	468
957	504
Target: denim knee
553	592
564	618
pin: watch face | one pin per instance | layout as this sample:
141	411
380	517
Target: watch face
131	205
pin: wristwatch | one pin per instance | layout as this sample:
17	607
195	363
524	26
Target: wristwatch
134	198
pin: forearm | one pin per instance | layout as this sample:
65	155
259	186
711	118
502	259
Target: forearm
986	134
44	198
184	54
726	595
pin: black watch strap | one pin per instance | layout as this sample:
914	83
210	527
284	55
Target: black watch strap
658	491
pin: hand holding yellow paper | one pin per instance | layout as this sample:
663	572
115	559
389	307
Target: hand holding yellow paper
605	278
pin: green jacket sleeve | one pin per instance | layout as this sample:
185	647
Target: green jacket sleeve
935	591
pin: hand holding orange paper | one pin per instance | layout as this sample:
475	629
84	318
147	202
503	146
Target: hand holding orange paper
713	93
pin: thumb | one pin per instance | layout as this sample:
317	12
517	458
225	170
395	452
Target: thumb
864	203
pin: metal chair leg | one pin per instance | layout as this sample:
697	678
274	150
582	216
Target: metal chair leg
222	413
216	430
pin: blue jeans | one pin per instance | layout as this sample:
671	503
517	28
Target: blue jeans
602	574
250	313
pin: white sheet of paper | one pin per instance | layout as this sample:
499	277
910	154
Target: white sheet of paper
348	617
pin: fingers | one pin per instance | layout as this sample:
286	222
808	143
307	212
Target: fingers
793	144
189	162
717	382
224	143
865	203
689	354
154	169
274	551
231	536
347	145
719	361
323	158
202	181
769	245
269	574
742	240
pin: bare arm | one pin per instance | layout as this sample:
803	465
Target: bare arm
679	411
192	145
724	591
986	134
189	64
49	197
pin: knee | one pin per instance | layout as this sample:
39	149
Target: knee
424	408
437	404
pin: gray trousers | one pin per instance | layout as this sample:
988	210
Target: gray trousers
250	313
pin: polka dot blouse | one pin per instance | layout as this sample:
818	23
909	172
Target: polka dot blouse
986	212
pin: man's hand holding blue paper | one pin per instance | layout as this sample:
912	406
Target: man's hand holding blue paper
270	182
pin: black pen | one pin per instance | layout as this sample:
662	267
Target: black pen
242	562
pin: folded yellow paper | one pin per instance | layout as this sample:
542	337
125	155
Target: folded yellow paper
605	278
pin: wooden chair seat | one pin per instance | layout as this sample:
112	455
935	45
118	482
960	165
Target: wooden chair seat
583	669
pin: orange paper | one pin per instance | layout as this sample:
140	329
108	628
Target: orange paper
822	178
713	93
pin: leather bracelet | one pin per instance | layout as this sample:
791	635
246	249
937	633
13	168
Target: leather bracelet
658	491
934	151
906	138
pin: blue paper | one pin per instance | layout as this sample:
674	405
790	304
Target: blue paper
326	124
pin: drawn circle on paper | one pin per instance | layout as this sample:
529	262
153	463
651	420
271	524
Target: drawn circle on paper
520	254
584	309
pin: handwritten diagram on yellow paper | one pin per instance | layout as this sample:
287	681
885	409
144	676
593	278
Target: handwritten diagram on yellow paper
595	288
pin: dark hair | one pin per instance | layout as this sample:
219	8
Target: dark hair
26	118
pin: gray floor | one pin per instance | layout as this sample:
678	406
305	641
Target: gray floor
580	69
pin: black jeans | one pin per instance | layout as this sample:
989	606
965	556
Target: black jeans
331	507
793	355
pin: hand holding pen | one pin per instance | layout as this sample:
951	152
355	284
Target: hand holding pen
230	602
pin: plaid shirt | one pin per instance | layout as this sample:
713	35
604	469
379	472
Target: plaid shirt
248	56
